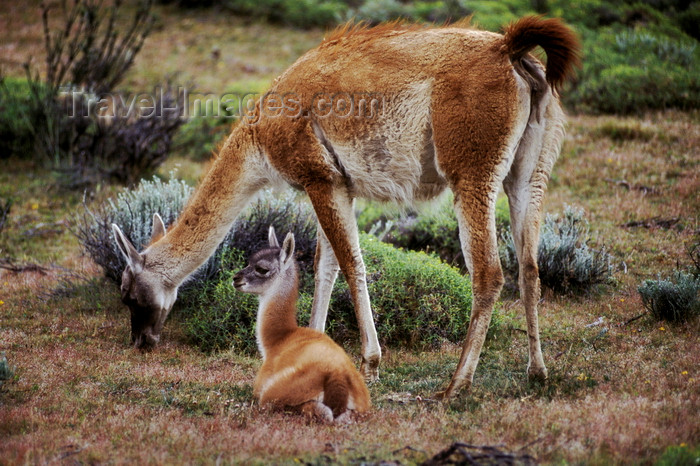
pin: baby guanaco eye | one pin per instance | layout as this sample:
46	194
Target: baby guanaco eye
261	270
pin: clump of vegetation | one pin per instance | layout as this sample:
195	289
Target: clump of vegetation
15	108
418	301
566	262
303	14
676	298
133	211
72	119
432	229
5	206
637	70
6	371
217	317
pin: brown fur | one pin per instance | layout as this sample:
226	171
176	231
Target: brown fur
302	367
459	108
558	41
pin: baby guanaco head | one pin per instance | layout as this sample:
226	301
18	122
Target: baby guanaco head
267	266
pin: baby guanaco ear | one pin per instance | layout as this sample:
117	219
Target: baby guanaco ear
287	252
272	237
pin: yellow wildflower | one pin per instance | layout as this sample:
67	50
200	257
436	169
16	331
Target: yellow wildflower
35	206
684	373
662	329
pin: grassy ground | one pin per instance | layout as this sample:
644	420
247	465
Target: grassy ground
618	392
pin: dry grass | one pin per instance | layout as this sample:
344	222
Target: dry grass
618	393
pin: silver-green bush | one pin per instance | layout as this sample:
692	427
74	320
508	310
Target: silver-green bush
675	299
565	260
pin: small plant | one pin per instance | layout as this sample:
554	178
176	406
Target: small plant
565	261
675	299
432	229
15	129
5	207
298	13
6	371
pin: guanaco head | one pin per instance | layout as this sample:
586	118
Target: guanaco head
144	290
266	266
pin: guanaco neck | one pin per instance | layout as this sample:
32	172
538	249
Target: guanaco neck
234	177
277	312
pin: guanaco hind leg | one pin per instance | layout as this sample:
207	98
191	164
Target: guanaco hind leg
475	210
334	209
525	186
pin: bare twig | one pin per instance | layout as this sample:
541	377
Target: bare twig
462	454
12	267
629	321
633	187
652	222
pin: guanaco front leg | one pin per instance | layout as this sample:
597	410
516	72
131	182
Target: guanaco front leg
326	271
334	209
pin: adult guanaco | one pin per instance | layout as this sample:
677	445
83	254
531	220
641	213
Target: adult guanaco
302	368
391	113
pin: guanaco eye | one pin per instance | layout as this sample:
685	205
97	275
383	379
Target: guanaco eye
261	270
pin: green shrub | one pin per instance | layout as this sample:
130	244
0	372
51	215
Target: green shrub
313	13
6	371
198	139
76	125
298	13
217	317
133	211
16	134
680	455
432	229
635	70
689	21
565	261
418	301
676	299
377	11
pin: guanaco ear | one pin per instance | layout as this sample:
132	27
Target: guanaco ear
158	228
287	252
272	237
132	256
